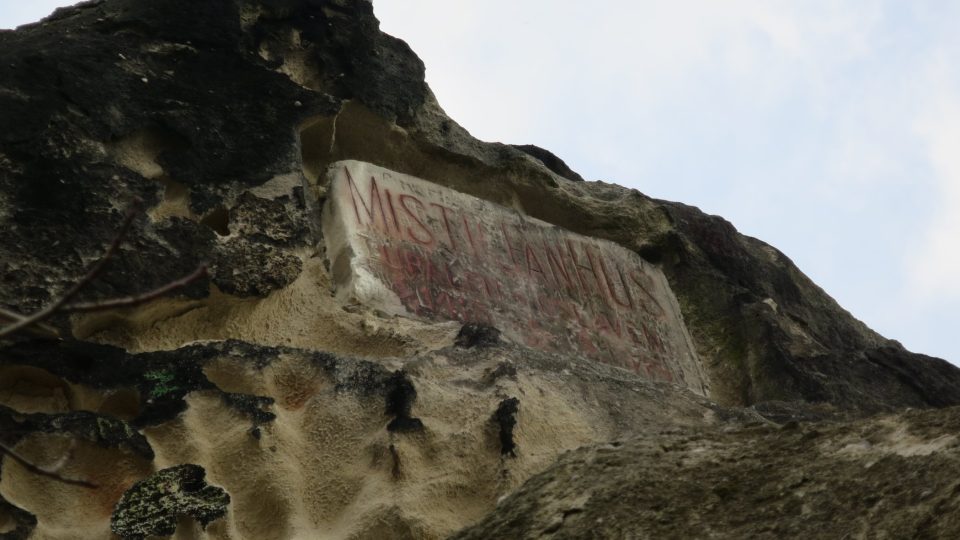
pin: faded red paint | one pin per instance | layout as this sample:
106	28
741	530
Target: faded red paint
547	287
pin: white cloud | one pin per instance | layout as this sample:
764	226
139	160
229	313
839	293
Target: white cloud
935	266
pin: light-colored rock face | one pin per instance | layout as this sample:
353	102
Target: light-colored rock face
408	247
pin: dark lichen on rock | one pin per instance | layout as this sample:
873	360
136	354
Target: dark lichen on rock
15	523
102	430
400	395
246	269
505	418
152	506
477	335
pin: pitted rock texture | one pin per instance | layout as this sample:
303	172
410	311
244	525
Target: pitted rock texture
891	477
312	444
221	117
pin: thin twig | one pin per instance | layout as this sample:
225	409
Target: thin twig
34	322
36	469
136	300
94	271
11	315
39	327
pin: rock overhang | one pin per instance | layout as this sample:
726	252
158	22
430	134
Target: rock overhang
407	247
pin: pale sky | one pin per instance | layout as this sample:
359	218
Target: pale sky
830	130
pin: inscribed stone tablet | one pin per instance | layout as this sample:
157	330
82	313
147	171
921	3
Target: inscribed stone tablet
408	247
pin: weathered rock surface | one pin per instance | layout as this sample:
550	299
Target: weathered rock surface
222	117
213	114
891	477
151	507
308	443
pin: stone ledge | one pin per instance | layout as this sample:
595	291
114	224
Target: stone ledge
407	247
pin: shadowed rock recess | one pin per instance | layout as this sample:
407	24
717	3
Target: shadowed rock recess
492	348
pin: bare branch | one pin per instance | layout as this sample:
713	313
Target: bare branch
34	322
136	300
42	471
11	315
94	271
39	328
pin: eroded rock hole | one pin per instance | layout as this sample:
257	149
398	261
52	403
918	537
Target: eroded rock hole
140	151
400	397
15	523
477	335
505	418
316	143
29	389
218	219
175	200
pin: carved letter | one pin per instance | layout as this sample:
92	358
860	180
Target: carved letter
375	202
429	240
612	289
510	247
591	267
641	280
533	264
446	223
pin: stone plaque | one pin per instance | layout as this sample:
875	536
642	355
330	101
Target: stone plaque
408	247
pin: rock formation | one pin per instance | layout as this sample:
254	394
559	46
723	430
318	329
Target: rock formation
281	385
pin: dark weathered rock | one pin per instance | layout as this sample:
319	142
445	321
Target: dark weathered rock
341	403
551	161
249	269
477	335
162	379
505	418
19	522
151	507
99	429
890	477
214	95
220	116
400	397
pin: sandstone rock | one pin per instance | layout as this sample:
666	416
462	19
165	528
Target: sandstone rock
222	117
302	441
893	476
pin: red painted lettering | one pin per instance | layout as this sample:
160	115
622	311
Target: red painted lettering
446	223
390	257
578	266
393	212
510	246
533	264
470	236
653	339
412	264
375	202
641	280
559	269
609	325
612	289
427	238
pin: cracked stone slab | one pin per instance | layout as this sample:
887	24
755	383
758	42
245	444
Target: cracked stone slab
411	248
